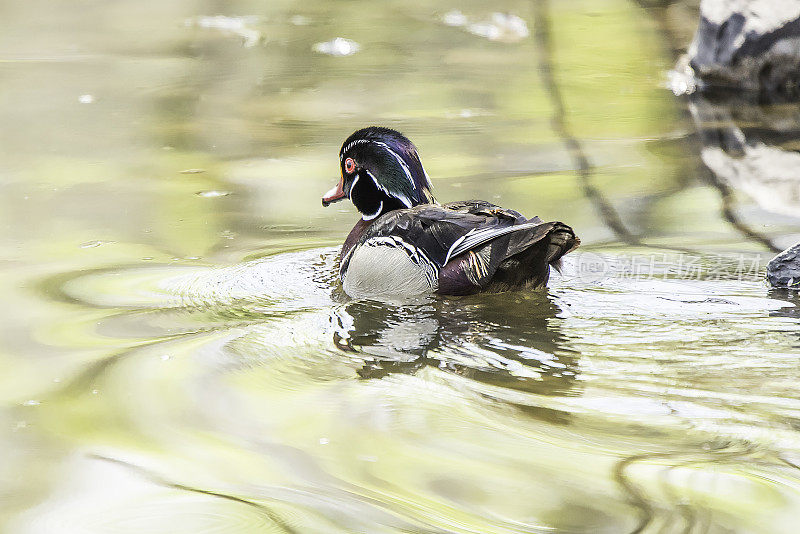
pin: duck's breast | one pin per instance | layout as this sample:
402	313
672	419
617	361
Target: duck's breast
388	265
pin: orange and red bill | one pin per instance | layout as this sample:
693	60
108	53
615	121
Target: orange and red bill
334	195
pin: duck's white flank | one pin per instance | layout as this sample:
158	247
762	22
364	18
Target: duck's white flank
389	266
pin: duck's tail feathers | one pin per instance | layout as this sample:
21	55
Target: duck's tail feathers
562	241
529	256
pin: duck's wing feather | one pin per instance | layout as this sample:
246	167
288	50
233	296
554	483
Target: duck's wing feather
477	237
437	230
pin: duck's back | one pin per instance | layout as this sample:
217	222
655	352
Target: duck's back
456	248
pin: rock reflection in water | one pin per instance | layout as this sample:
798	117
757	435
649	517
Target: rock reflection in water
788	295
752	148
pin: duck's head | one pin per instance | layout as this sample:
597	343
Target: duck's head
381	172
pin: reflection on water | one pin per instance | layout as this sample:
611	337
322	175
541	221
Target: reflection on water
180	357
752	149
470	337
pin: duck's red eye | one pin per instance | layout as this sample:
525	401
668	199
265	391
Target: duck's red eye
349	165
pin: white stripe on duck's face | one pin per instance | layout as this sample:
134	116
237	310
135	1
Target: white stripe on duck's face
384	266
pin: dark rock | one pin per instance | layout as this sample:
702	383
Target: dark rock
750	45
784	269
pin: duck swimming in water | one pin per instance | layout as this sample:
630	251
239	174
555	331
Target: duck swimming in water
407	244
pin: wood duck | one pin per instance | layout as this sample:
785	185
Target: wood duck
407	244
